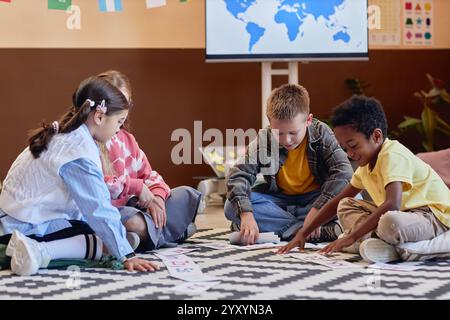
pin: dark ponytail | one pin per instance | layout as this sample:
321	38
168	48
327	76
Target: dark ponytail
94	89
39	139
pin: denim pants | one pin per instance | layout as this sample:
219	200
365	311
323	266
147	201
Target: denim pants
278	213
181	209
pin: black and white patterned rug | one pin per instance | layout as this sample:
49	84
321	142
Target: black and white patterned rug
255	274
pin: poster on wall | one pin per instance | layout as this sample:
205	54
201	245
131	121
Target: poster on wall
387	29
155	3
418	22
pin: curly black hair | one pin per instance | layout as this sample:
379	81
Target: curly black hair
364	114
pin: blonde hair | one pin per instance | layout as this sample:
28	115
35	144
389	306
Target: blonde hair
107	167
287	101
121	82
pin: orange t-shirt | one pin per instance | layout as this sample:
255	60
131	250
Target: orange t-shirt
294	176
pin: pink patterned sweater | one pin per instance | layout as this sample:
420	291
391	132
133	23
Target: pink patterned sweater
132	170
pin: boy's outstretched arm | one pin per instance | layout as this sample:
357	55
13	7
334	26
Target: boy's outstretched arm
392	202
338	167
240	180
325	214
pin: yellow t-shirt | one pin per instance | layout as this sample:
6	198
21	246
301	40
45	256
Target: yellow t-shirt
422	186
294	177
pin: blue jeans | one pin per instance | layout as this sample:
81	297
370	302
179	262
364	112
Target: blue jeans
278	213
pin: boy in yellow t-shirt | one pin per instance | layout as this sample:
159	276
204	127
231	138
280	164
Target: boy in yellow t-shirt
410	201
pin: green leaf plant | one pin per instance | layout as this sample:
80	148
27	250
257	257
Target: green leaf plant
430	123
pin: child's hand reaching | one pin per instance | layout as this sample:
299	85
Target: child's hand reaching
157	210
249	229
146	197
338	245
138	264
298	241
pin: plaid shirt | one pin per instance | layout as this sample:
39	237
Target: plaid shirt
327	161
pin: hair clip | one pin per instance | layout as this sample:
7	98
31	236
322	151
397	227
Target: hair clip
91	103
55	125
102	107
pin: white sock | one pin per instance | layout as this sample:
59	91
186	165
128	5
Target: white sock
85	246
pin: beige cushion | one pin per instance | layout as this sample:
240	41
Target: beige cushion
440	162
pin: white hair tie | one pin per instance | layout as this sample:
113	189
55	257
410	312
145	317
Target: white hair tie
55	126
102	107
91	103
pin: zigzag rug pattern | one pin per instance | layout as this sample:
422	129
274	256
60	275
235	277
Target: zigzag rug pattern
255	274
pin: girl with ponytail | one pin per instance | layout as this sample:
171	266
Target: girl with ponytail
54	203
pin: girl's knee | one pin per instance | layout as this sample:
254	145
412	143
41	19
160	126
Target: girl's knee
185	200
184	192
138	225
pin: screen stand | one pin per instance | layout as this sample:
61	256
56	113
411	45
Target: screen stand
266	77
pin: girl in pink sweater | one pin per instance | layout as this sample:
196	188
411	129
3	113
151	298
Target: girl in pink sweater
149	208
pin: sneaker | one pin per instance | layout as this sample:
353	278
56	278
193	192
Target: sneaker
329	232
234	227
29	256
376	250
133	240
12	244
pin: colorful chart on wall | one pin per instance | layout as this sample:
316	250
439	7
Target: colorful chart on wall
418	22
389	31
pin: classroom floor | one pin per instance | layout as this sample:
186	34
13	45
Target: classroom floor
254	274
213	216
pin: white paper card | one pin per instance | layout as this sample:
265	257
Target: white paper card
395	267
218	245
308	246
183	267
316	246
323	260
172	251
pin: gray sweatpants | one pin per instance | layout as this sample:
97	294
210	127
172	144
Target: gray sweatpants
181	209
